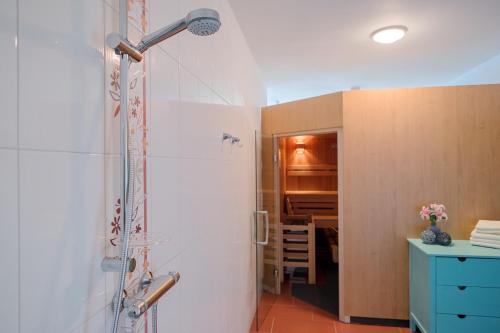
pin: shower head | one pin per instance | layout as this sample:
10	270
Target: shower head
200	22
203	22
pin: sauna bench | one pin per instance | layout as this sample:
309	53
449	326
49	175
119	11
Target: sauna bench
320	205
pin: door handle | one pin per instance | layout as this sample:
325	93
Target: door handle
265	213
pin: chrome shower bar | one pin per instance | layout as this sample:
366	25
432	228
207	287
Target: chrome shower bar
127	168
200	22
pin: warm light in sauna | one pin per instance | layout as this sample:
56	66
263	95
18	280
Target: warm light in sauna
299	146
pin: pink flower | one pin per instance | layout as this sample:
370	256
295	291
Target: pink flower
425	213
434	212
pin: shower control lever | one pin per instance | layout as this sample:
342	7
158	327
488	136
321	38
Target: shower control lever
150	294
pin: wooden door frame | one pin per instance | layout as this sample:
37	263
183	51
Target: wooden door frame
340	161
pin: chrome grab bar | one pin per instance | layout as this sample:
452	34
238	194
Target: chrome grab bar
266	220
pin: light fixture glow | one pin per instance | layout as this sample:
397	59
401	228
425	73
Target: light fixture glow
389	35
300	146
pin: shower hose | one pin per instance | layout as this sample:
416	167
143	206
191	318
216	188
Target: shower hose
130	190
128	186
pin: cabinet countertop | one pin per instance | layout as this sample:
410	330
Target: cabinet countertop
458	248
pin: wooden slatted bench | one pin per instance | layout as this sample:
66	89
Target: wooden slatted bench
299	248
321	207
332	238
312	170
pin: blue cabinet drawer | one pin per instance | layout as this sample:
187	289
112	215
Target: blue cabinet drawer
467	324
468	301
463	271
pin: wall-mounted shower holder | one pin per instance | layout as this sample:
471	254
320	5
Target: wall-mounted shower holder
233	139
114	264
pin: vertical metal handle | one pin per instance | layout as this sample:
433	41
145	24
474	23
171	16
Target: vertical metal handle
266	220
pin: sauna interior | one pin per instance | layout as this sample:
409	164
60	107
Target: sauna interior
308	189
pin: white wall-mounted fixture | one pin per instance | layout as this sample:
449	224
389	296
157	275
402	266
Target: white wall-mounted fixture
390	34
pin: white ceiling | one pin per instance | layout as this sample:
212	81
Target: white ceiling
312	47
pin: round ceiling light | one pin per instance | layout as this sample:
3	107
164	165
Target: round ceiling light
389	35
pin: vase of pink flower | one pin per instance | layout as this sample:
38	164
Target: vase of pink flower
434	213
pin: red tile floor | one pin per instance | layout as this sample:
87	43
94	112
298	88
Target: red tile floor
291	315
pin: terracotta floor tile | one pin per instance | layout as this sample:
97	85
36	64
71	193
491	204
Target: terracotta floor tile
285	300
267	326
291	315
354	328
291	312
321	327
289	325
323	316
304	305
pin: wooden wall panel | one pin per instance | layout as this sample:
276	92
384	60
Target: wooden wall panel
402	149
478	111
320	149
282	170
309	114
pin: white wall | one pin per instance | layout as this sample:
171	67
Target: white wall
60	167
486	73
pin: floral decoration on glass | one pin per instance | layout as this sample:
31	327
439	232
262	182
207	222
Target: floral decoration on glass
433	235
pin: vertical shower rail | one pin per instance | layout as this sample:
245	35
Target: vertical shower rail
127	171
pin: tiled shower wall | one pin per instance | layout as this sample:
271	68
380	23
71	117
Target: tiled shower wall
59	170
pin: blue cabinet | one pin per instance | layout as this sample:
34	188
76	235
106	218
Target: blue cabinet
454	289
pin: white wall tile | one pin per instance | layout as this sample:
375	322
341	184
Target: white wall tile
200	192
135	12
189	90
195	52
200	203
8	68
62	243
161	14
93	324
165	129
9	277
111	86
164	76
201	128
165	208
209	96
61	75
